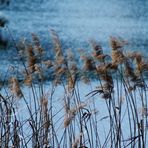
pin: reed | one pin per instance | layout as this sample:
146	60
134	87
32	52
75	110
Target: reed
67	117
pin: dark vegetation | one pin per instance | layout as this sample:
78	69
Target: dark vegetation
3	22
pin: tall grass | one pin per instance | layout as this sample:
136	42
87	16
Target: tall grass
36	113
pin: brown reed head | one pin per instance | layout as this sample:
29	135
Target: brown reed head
15	87
117	43
37	46
129	70
28	80
31	58
68	120
89	64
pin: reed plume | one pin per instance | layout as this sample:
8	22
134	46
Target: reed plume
37	45
71	113
31	58
68	120
15	87
141	64
60	64
129	70
117	53
98	51
76	143
28	80
48	63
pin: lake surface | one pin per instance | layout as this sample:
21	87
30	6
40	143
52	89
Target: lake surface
80	20
76	22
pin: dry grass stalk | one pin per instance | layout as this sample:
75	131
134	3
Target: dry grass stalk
129	70
102	69
71	113
76	143
21	46
85	79
59	58
71	83
87	59
141	65
72	70
112	67
45	119
104	72
98	51
143	111
72	65
106	89
60	64
56	40
74	110
96	47
44	106
117	43
28	80
117	56
15	87
89	64
68	120
48	63
31	58
37	68
117	53
37	45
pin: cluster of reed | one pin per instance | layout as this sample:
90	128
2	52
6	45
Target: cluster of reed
70	120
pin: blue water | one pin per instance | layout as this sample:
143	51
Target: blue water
80	20
77	21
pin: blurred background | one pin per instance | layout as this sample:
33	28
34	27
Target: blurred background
76	22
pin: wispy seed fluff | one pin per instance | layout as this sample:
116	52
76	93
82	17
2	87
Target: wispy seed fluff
31	58
15	87
117	53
